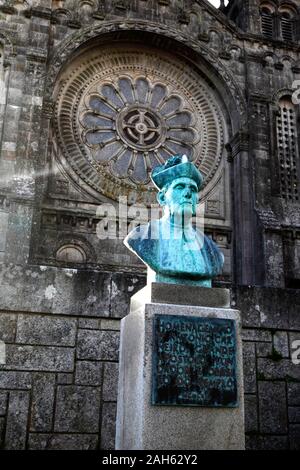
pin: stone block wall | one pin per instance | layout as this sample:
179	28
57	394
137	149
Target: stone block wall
272	381
58	388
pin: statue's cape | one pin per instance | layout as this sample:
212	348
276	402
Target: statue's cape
190	255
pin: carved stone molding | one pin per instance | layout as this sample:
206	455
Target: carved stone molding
39	12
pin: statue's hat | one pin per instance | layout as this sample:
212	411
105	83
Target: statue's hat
176	167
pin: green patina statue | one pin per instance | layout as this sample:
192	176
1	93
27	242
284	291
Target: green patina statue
173	249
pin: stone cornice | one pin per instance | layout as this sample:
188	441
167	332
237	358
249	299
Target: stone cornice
39	12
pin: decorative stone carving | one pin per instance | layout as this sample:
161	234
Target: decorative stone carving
124	111
71	254
69	46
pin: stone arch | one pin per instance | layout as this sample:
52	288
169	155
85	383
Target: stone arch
77	242
289	6
162	36
280	94
268	5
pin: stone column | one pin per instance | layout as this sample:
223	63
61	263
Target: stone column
180	377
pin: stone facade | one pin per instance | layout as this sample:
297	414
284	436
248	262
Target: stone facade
228	76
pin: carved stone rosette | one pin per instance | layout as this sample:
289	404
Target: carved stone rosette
124	110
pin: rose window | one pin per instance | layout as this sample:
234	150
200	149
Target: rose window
134	125
124	110
140	127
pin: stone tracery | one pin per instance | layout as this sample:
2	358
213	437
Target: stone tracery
122	114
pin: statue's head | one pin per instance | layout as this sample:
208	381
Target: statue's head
179	183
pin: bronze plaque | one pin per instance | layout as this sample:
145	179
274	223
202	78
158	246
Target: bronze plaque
194	361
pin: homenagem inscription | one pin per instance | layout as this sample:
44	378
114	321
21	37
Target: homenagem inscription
194	361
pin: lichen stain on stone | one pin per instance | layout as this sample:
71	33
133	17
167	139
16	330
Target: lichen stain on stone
114	289
91	299
34	146
50	292
263	317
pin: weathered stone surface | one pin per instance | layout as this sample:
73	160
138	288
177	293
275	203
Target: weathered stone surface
89	323
89	373
51	290
108	427
294	414
264	349
47	358
281	343
43	394
3	403
273	413
256	335
267	307
293	393
267	443
294	436
251	415
42	330
123	287
15	380
17	420
110	382
64	379
179	295
77	409
62	441
7	327
249	367
110	324
274	370
98	345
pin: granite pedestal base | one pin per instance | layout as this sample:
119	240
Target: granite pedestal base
147	426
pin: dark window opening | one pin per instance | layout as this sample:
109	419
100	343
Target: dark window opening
292	283
267	24
286	128
286	27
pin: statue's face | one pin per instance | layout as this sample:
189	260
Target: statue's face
181	197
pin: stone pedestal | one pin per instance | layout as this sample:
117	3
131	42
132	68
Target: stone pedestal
142	423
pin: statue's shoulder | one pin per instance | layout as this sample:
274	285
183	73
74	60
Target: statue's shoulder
142	234
212	248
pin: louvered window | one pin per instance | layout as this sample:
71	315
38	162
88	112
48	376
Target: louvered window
267	23
287	150
286	27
